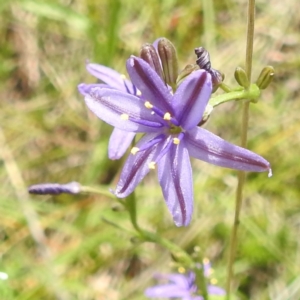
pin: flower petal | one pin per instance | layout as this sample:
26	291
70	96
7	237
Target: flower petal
191	98
149	83
179	280
167	290
175	177
215	290
193	298
111	77
119	142
84	89
120	109
208	147
137	165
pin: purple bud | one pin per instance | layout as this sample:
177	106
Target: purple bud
55	188
149	54
168	57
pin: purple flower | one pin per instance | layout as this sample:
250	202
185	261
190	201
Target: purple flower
119	140
169	122
182	286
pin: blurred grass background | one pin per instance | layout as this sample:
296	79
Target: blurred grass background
67	250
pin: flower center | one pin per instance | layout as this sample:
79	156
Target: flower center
173	129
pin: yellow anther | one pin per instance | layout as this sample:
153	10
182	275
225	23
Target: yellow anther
148	105
124	117
138	93
176	141
134	150
152	165
214	281
167	116
123	76
181	270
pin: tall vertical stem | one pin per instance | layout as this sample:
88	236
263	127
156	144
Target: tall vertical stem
244	132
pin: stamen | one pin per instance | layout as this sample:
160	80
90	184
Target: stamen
148	105
167	116
151	165
124	117
181	270
123	76
152	142
176	141
138	92
154	124
134	150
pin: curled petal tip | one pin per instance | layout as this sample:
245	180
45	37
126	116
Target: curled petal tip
131	60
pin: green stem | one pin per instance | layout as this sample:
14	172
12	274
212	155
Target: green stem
200	273
97	190
180	256
130	204
178	253
251	94
244	131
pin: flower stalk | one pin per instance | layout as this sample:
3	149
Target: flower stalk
251	94
244	133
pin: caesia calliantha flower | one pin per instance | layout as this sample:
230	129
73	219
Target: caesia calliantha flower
183	286
169	122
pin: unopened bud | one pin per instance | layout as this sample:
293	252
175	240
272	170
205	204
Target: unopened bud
149	54
241	77
265	78
185	72
168	57
55	188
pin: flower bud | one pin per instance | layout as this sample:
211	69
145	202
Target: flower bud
185	72
149	54
241	77
168	57
265	78
55	188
